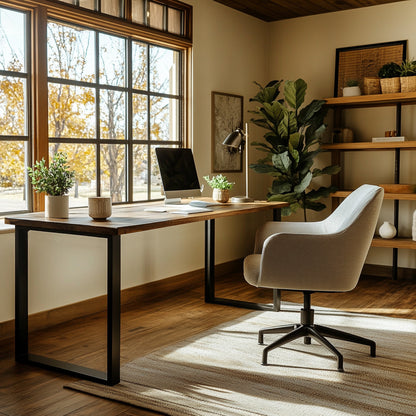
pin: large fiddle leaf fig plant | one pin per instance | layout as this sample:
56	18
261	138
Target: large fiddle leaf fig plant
292	144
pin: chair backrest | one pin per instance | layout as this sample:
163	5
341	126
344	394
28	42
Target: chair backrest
332	255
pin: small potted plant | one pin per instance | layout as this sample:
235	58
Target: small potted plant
220	187
408	75
352	88
55	181
390	78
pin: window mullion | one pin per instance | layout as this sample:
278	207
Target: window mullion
129	127
97	115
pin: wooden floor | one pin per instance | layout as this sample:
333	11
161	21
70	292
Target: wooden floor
162	319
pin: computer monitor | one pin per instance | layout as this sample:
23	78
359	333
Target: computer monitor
178	173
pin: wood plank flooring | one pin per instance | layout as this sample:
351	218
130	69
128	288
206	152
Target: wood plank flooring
148	324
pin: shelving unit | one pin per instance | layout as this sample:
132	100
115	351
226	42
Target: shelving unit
380	100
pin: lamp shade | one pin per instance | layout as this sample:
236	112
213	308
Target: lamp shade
235	140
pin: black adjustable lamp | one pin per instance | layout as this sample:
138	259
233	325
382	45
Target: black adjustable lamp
235	142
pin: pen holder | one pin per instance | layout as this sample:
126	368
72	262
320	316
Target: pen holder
99	207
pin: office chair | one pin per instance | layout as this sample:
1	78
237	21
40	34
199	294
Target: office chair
325	256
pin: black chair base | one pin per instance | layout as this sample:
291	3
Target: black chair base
308	330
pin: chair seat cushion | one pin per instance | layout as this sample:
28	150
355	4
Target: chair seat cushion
252	268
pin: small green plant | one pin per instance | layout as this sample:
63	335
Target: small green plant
56	180
219	182
408	68
390	70
352	83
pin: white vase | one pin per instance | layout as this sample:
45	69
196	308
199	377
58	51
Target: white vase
57	206
387	230
414	226
351	91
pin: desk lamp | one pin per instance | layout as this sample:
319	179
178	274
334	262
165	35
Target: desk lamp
235	142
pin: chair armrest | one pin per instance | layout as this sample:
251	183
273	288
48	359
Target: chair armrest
274	227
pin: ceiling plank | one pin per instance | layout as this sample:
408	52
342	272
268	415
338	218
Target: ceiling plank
272	10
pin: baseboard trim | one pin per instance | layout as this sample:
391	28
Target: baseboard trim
147	292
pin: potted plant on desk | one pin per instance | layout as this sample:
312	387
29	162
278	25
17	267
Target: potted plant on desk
55	181
220	187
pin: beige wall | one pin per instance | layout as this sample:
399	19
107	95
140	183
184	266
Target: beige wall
305	48
230	50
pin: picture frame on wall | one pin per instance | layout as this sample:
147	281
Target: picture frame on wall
358	62
226	116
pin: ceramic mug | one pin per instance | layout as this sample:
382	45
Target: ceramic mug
99	207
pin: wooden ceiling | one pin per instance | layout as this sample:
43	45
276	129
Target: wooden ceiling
272	10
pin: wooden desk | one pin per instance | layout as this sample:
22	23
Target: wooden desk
124	220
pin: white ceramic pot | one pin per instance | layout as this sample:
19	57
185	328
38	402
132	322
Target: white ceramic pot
57	206
220	195
351	91
387	230
99	207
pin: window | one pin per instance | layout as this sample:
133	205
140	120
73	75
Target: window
14	110
112	97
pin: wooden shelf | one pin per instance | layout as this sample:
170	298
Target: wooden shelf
373	100
402	197
394	243
409	144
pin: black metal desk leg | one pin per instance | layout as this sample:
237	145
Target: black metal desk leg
21	295
113	310
209	261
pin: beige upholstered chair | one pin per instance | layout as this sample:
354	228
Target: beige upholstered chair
325	256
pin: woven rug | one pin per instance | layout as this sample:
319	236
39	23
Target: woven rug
219	373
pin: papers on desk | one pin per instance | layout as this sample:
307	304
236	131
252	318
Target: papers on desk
178	209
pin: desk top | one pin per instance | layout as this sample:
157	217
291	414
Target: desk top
131	218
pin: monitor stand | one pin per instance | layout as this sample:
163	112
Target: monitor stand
174	201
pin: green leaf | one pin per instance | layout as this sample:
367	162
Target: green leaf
304	183
282	161
310	111
295	93
288	125
263	168
322	192
315	206
267	94
281	187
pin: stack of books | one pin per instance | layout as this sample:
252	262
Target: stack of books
388	139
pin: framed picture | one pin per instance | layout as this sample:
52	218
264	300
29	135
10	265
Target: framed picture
227	115
357	62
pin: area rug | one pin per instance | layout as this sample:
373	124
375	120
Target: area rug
219	373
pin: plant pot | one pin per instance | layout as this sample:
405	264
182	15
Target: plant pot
57	206
408	84
390	85
220	195
351	91
99	207
371	85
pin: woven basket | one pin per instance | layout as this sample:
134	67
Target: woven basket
390	85
408	84
371	85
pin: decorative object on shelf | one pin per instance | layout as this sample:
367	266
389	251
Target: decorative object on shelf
99	207
292	143
399	188
55	181
414	226
387	230
408	75
372	85
352	89
360	62
390	78
387	139
220	187
227	115
347	135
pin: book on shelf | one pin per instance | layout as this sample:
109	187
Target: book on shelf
388	139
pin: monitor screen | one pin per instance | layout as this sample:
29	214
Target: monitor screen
178	172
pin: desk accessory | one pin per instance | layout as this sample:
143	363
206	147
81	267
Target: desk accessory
99	207
235	142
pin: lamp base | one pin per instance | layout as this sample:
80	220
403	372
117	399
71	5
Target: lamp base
241	199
